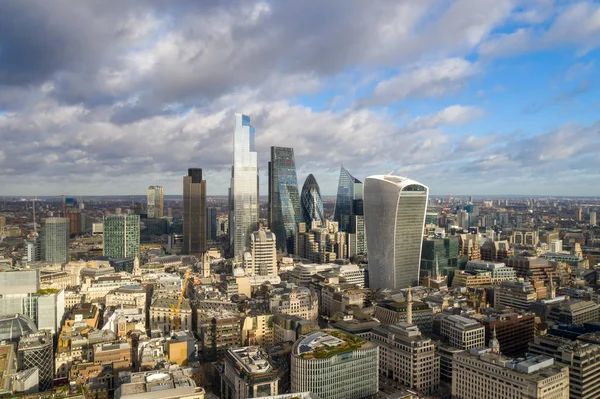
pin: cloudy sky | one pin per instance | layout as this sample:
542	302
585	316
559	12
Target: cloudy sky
467	96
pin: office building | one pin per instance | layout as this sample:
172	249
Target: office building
122	236
248	373
219	330
592	218
262	258
392	312
582	358
444	251
462	332
284	198
575	312
349	190
335	365
194	213
74	216
407	358
243	195
514	294
395	210
35	350
480	373
296	302
155	200
173	383
211	224
163	314
311	202
513	331
55	240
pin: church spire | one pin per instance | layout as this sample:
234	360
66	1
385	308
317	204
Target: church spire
494	343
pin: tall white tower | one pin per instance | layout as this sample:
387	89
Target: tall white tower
394	209
243	193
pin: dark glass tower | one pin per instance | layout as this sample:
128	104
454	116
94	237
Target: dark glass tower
284	200
194	213
350	189
311	202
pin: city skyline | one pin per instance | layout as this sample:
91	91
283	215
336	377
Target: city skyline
505	103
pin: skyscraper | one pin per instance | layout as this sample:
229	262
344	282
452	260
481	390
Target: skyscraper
243	192
263	254
211	223
55	240
311	202
155	202
284	200
122	236
194	213
349	189
395	210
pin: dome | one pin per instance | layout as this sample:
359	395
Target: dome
13	326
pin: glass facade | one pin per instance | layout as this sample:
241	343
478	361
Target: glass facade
122	236
394	210
349	190
155	202
284	199
311	202
194	213
243	193
55	240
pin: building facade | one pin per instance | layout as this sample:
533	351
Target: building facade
155	201
122	236
194	213
263	254
36	350
55	240
284	198
247	373
311	202
395	209
243	196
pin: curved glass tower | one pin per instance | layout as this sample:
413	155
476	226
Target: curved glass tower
311	202
349	190
243	193
284	199
395	209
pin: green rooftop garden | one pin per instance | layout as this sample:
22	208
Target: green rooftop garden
351	343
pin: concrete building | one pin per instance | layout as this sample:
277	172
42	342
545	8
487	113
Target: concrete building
576	312
194	213
582	358
262	258
335	365
394	209
480	373
468	246
498	270
162	316
35	350
247	373
406	357
392	312
297	302
55	240
514	294
462	332
155	202
219	330
122	236
257	330
127	296
159	384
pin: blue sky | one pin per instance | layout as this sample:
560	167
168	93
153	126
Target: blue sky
470	97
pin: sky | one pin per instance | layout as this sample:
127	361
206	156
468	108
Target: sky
469	97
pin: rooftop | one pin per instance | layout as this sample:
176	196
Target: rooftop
327	343
251	359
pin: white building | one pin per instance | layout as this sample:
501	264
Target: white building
173	383
300	302
462	332
335	365
262	258
395	209
480	373
155	201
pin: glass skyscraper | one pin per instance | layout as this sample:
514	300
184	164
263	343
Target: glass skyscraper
55	240
284	199
311	202
243	192
395	209
349	190
155	201
121	236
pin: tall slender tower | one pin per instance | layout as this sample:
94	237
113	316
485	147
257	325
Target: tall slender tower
122	236
284	199
395	209
155	201
55	240
194	213
243	192
311	202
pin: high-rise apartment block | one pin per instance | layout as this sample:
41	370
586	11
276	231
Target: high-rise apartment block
243	192
284	198
55	240
155	200
122	236
262	258
395	210
194	213
335	365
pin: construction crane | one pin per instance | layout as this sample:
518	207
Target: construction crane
174	309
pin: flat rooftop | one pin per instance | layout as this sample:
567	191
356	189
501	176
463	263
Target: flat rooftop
327	343
252	359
